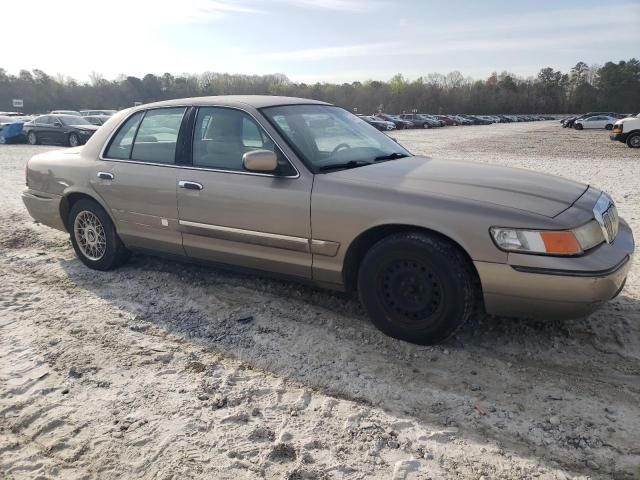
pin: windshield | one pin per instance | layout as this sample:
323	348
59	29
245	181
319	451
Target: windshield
325	135
74	120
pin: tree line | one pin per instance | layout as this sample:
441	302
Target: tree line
610	87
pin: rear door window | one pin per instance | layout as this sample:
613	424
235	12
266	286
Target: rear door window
157	136
149	136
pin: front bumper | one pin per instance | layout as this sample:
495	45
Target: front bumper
44	208
618	137
557	288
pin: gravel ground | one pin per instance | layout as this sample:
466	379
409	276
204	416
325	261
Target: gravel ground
165	370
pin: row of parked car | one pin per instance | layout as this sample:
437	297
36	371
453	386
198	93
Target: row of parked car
598	120
625	127
386	122
68	127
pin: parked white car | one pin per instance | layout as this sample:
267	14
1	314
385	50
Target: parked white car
598	121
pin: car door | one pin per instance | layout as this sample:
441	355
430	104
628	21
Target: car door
232	216
43	129
136	178
596	122
57	130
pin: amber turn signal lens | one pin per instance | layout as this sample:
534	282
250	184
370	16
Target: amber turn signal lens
563	243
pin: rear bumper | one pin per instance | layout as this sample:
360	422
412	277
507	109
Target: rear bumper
545	291
44	208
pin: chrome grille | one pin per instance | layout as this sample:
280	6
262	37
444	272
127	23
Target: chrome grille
606	214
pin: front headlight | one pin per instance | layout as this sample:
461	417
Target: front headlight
545	242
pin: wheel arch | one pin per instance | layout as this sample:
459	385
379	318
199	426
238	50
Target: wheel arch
73	196
365	240
633	133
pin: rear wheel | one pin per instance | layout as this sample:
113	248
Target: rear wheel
633	140
578	126
32	138
94	237
417	287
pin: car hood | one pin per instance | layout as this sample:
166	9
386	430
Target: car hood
628	119
526	190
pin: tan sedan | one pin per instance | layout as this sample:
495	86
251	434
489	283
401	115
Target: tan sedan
305	189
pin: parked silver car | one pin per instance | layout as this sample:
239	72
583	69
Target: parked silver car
305	189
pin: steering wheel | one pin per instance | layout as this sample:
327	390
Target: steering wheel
340	147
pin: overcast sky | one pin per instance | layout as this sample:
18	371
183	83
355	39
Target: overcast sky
315	40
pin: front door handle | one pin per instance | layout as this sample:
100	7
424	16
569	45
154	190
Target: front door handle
190	185
105	176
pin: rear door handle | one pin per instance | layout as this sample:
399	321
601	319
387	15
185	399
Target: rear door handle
190	185
105	176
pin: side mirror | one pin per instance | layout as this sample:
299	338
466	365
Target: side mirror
57	124
260	161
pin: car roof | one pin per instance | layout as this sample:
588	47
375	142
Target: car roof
256	101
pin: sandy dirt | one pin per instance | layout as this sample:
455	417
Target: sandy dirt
164	370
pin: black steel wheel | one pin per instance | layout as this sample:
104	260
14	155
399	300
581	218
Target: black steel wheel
417	287
410	289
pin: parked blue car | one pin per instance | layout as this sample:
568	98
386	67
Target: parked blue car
11	132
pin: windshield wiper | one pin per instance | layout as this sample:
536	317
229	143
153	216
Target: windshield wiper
391	156
349	164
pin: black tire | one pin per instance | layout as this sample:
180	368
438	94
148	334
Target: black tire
608	127
417	287
633	140
32	138
426	125
578	126
115	253
73	140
